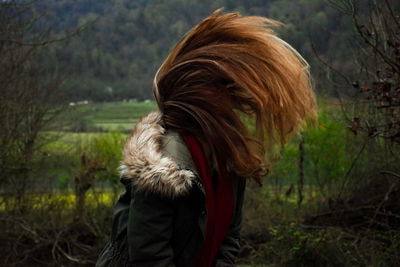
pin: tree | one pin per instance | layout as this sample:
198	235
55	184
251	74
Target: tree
369	191
30	93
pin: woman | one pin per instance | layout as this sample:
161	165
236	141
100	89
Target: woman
185	166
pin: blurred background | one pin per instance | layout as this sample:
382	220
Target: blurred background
75	77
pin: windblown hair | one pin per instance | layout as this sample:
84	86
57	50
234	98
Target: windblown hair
226	67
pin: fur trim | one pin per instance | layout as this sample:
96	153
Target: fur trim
145	165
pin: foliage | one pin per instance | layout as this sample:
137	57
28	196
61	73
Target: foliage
326	158
106	150
127	41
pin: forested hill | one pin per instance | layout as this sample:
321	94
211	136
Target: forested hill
118	54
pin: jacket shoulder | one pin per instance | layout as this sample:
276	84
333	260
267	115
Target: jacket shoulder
157	161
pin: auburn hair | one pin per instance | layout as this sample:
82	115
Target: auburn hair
227	67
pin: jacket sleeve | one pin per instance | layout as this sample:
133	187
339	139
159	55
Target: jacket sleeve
229	250
150	230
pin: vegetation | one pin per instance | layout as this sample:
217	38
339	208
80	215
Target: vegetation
331	197
117	56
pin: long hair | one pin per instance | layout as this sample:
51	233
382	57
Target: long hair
226	67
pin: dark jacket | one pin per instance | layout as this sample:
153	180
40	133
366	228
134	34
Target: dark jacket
160	220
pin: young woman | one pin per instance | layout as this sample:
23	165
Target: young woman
185	166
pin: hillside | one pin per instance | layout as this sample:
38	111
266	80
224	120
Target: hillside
125	41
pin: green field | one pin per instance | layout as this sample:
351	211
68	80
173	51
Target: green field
110	116
95	131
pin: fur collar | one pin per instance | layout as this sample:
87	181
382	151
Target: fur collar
156	161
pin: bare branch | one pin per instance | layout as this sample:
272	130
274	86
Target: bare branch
375	47
391	173
395	18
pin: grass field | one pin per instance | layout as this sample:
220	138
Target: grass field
110	116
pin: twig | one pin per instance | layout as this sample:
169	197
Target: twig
381	204
389	7
69	257
353	163
388	60
390	173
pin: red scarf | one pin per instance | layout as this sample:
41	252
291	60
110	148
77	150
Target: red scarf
219	202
